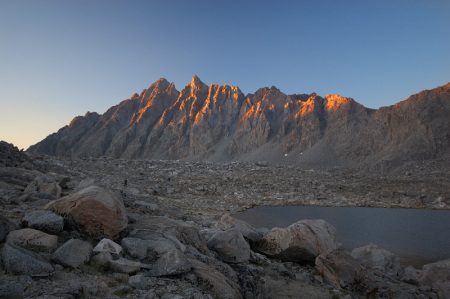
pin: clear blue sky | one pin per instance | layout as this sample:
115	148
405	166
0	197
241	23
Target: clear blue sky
60	59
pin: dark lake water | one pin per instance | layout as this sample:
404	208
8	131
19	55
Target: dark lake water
417	237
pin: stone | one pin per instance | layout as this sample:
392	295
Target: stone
300	242
412	275
214	281
171	263
32	238
230	245
73	253
138	281
94	210
19	261
342	271
123	265
135	247
107	245
11	290
372	256
45	221
437	276
248	232
44	186
5	226
145	206
101	260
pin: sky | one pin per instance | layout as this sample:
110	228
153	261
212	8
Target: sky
60	59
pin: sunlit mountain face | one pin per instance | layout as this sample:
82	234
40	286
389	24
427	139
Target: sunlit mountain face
220	123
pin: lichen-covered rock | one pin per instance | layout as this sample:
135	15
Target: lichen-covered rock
19	261
33	238
230	245
300	242
73	253
45	221
95	210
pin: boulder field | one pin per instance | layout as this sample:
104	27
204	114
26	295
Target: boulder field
90	234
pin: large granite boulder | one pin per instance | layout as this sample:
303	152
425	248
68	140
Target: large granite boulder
301	242
372	256
19	261
32	238
94	210
45	221
73	253
436	276
230	245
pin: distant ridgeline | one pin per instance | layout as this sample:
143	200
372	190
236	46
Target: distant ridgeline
220	123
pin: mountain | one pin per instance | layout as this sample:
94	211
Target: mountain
219	123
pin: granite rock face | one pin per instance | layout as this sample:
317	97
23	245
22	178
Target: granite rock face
219	123
19	261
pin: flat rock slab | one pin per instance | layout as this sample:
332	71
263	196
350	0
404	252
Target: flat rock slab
19	261
32	237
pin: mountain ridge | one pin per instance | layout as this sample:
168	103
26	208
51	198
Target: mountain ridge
219	123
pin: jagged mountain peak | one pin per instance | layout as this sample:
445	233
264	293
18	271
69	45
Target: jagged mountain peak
219	123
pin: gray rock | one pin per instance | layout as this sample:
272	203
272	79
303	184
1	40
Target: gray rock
73	253
372	256
101	260
171	263
32	237
214	281
135	247
107	245
437	276
250	233
412	275
138	281
301	242
145	206
5	225
342	271
44	186
19	261
123	265
230	245
45	221
11	290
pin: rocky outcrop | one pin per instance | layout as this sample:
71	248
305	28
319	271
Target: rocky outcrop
300	242
97	211
219	123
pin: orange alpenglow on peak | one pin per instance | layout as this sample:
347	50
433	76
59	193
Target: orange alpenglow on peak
196	81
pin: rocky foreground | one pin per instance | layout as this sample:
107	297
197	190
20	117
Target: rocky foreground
106	228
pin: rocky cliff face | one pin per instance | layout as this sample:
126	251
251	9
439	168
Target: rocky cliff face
219	123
